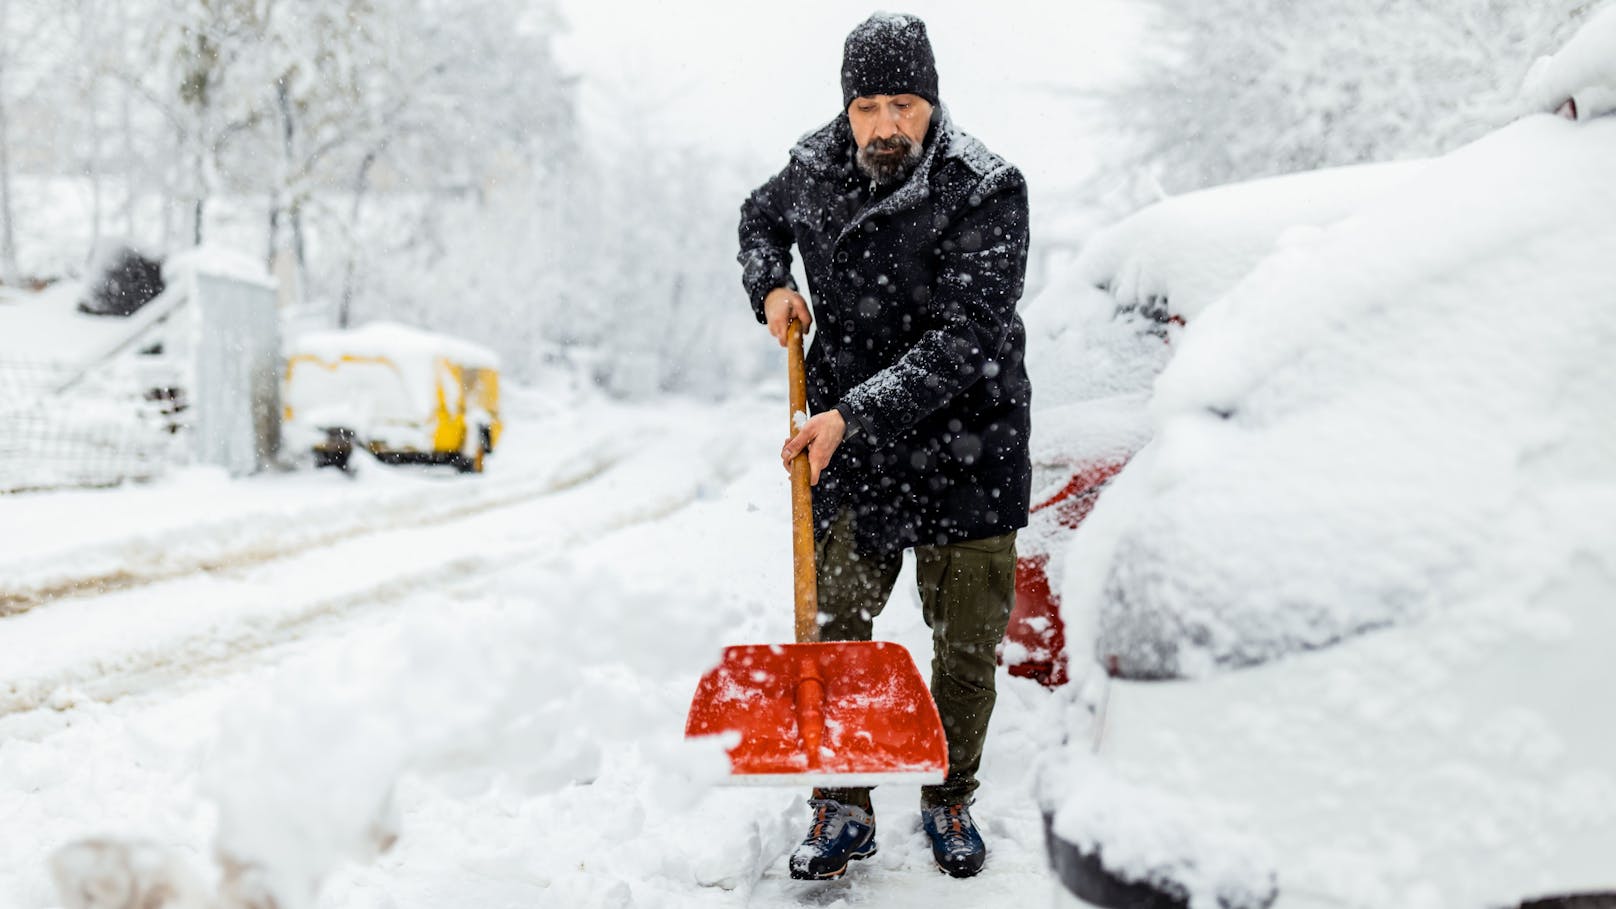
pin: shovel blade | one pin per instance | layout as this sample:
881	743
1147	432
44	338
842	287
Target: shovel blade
834	713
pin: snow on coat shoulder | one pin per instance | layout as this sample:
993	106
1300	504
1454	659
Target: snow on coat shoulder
976	156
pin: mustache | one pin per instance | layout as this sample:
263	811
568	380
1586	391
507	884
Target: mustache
897	143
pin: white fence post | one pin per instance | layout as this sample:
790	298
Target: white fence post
238	372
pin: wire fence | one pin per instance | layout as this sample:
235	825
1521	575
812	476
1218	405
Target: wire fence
61	427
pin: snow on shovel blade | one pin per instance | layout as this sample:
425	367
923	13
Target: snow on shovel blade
833	713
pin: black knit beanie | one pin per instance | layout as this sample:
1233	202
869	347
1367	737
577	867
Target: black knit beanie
888	54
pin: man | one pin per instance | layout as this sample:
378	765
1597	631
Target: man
914	242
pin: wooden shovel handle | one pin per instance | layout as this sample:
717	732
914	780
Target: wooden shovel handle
802	501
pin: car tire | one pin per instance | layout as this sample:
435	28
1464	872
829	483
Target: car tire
1081	871
473	463
338	458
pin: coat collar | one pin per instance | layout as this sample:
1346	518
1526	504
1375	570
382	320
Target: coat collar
827	149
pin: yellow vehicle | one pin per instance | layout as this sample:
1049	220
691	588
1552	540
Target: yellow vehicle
403	394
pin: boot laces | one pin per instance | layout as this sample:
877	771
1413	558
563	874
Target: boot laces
825	812
953	823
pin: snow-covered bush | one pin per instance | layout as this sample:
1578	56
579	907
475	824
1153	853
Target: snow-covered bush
125	279
1234	89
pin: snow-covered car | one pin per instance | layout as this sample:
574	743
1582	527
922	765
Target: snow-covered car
404	394
1101	336
1355	594
1579	82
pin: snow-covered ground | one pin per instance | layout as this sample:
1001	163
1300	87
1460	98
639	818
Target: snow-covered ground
288	668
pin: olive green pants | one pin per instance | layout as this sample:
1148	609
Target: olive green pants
966	592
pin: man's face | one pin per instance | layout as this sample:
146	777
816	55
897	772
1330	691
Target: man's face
889	131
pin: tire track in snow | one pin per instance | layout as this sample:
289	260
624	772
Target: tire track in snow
200	644
423	512
106	681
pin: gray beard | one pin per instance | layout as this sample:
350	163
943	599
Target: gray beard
886	170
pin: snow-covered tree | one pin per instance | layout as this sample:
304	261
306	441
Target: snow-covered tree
212	68
421	160
1234	89
467	104
32	34
8	231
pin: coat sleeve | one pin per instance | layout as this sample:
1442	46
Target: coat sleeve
979	280
766	238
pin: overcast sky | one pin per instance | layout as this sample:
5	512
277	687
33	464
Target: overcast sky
747	77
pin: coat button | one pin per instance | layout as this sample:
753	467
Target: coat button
841	256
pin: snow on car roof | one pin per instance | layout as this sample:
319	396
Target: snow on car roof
394	341
1189	249
1585	69
1354	435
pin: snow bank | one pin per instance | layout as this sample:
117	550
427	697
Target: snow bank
289	813
1585	69
1388	416
1184	252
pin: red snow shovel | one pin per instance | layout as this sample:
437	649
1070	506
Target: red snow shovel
835	713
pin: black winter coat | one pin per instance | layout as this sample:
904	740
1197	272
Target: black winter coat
917	340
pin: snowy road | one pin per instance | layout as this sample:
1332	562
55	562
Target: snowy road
506	659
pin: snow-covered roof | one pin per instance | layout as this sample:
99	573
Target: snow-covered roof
392	340
47	326
1189	249
1585	69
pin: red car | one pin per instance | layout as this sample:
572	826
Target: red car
1036	636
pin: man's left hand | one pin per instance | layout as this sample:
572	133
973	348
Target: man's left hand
820	435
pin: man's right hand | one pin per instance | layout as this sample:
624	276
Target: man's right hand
780	307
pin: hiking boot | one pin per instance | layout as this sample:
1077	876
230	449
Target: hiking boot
955	842
840	833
